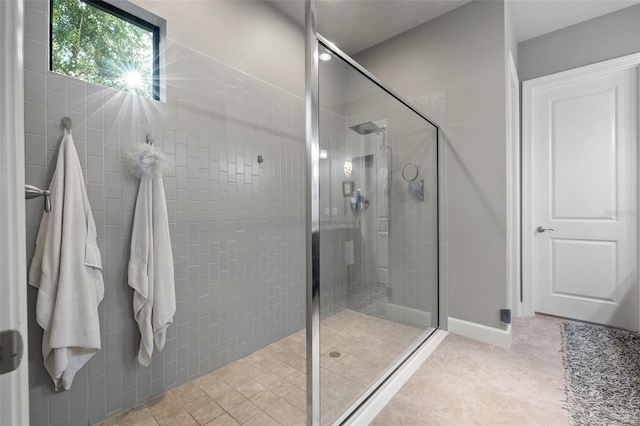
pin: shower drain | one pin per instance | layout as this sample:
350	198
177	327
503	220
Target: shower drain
334	354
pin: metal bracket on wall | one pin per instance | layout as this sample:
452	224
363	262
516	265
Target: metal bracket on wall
416	190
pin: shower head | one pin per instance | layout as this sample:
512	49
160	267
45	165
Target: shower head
366	128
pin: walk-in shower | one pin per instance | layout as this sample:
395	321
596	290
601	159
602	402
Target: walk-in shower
378	243
237	197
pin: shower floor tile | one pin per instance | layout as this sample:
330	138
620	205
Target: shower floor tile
268	387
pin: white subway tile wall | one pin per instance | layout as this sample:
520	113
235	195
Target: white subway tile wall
409	292
334	217
237	227
435	106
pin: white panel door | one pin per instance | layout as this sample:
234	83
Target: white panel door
585	194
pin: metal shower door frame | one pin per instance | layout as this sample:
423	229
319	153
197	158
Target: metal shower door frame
312	208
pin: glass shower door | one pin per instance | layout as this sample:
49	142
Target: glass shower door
378	234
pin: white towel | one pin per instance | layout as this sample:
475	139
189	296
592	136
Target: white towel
67	269
151	263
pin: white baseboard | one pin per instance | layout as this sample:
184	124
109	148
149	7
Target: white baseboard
377	402
408	315
491	335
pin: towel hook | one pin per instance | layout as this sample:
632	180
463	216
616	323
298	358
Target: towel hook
66	122
150	139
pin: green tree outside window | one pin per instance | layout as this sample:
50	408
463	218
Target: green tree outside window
96	46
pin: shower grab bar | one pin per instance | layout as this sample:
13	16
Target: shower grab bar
34	192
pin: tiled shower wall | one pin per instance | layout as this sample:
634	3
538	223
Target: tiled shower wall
413	239
237	227
413	255
434	105
333	215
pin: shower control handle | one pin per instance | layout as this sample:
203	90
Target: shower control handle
541	229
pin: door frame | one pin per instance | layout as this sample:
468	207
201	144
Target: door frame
529	87
14	386
513	187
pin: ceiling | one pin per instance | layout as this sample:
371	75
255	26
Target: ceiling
533	18
355	25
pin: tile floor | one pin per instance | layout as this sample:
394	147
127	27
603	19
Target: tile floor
466	382
268	387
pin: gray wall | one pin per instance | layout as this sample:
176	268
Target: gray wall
462	53
511	41
249	35
606	37
237	228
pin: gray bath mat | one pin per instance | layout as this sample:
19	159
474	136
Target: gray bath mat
602	372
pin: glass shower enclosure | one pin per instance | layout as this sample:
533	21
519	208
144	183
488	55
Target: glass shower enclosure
372	290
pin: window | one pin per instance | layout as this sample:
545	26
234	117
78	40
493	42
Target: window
96	42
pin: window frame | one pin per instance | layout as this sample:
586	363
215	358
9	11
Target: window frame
127	17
